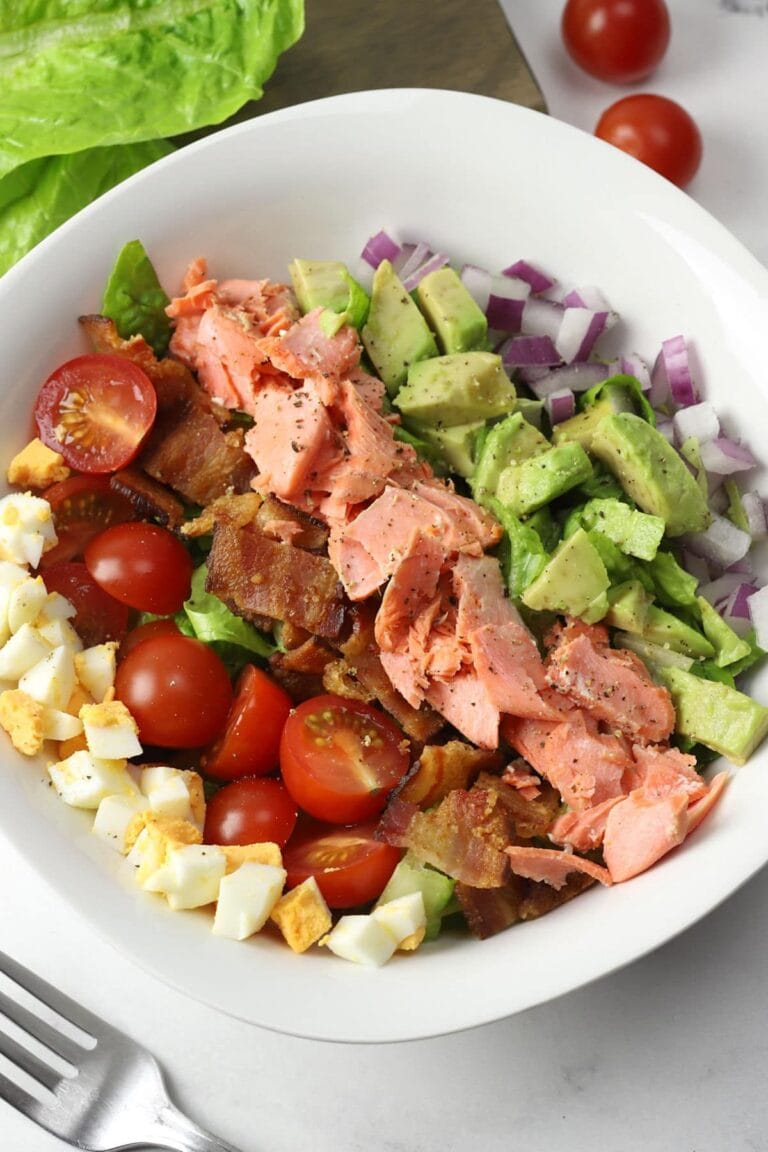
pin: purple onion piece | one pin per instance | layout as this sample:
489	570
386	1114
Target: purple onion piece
414	256
528	350
477	282
436	260
541	318
722	543
755	512
579	330
677	368
591	298
538	280
758	614
560	405
699	420
380	247
723	457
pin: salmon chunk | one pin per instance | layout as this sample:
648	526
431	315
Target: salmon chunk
642	829
552	866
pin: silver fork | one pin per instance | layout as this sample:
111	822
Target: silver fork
115	1100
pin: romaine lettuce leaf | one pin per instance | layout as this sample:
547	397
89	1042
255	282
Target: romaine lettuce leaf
80	73
40	195
135	299
212	622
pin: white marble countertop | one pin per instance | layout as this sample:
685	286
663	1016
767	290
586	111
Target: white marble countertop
669	1055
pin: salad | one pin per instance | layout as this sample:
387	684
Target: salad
364	605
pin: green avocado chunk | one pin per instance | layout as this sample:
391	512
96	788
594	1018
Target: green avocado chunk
510	441
396	334
729	647
574	581
411	875
629	604
457	389
716	715
663	628
651	472
655	657
529	485
451	311
328	284
634	532
455	444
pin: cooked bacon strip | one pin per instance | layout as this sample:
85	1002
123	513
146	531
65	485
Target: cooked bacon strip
530	817
491	910
309	534
464	836
256	576
301	669
151	500
441	768
550	866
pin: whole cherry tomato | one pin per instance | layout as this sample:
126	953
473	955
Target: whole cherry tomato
621	41
657	131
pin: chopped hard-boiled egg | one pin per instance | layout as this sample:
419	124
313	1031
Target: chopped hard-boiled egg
302	915
52	679
190	876
95	668
405	918
60	726
265	853
83	780
37	466
174	792
362	940
150	837
246	898
57	632
24	649
25	602
26	528
113	818
22	718
110	730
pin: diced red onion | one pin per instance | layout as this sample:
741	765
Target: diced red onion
380	247
724	457
412	256
435	261
719	590
666	428
699	420
541	318
530	374
673	366
506	302
591	298
758	614
560	405
754	510
579	329
737	605
722	543
477	282
575	377
695	566
526	350
718	497
539	281
633	365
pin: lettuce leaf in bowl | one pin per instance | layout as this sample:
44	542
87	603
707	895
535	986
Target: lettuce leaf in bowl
75	74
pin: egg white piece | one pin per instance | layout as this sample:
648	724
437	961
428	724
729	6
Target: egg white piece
59	725
113	817
26	526
246	898
24	649
83	780
362	940
58	633
25	602
95	669
190	876
403	916
52	680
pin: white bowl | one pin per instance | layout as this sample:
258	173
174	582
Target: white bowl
490	183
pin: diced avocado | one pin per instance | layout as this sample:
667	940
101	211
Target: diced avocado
629	604
625	393
601	485
716	715
654	656
455	444
735	510
396	334
458	389
690	450
672	584
619	566
604	399
651	472
522	553
526	486
729	647
411	875
663	628
451	311
636	533
574	581
510	441
328	284
531	410
547	526
756	655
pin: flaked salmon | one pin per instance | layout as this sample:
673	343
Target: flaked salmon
551	866
642	829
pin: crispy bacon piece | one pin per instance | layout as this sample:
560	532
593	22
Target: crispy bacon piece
464	836
443	767
310	535
530	818
237	510
301	669
151	500
256	576
491	910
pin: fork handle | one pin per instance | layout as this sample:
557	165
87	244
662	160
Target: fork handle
174	1131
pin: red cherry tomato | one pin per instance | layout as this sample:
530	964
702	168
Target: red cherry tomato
341	758
250	744
82	506
177	689
250	811
621	41
350	866
142	565
657	131
163	627
99	617
96	410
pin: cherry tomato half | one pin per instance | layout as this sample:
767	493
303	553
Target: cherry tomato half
96	410
350	866
657	131
99	617
250	744
250	811
621	41
165	626
341	758
142	565
177	689
82	506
